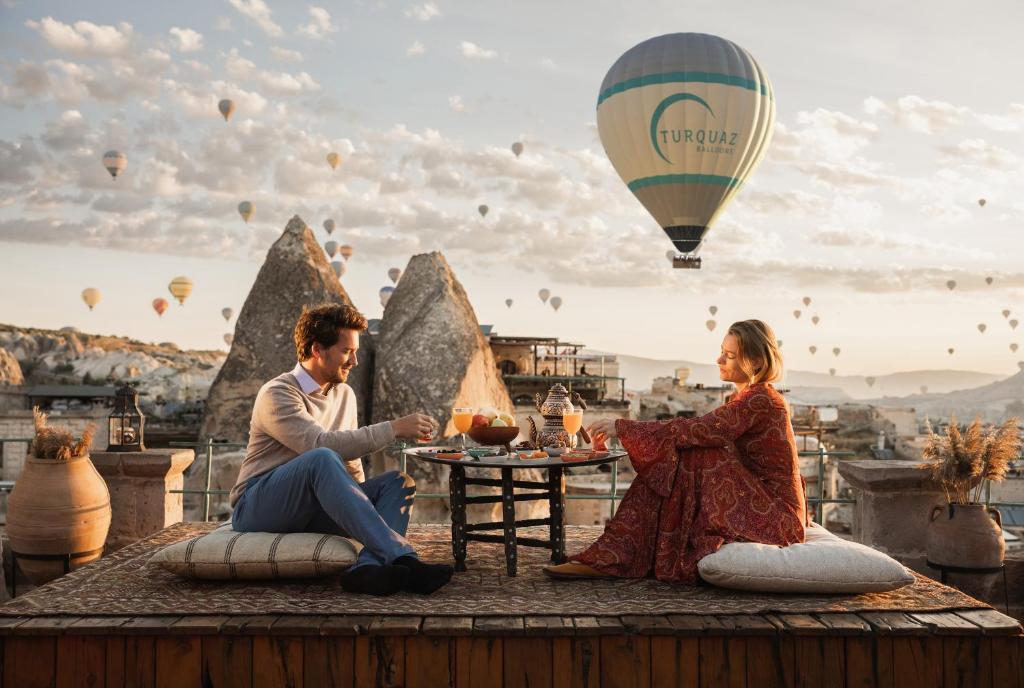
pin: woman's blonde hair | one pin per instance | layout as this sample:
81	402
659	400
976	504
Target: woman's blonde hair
759	355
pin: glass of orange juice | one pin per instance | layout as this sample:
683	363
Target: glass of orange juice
572	421
463	418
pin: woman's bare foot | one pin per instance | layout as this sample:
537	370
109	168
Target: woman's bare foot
573	570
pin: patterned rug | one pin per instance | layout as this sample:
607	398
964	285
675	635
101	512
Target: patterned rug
125	584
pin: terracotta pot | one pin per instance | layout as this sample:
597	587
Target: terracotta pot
55	508
965	535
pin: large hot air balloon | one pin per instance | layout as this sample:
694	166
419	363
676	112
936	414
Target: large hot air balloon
385	295
951	284
333	159
517	148
180	287
91	297
710	324
331	247
246	209
796	314
160	305
227	313
482	210
815	319
807	301
836	351
228	338
508	303
544	294
556	302
227	108
813	349
982	327
1013	323
346	251
339	268
329	225
394	274
685	118
115	162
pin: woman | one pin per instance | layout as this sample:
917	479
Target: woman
728	476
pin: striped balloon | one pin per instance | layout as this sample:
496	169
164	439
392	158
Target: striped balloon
685	118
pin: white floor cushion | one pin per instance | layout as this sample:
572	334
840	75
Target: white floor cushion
226	555
823	563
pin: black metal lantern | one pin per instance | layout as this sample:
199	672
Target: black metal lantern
126	422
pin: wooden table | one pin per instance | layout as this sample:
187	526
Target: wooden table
553	490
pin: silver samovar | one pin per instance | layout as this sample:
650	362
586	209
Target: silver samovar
553	433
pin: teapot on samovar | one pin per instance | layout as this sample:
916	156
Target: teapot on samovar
558	402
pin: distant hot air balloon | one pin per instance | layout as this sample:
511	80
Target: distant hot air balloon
160	305
180	287
1006	312
807	301
115	162
329	225
91	297
670	254
815	319
924	389
331	248
710	324
346	251
556	302
685	118
482	210
227	313
1013	347
1020	364
517	148
385	295
796	314
870	381
835	351
988	281
778	343
950	350
227	108
333	159
508	303
831	371
813	349
339	268
951	284
982	202
394	274
228	338
1013	323
246	209
544	294
712	309
982	327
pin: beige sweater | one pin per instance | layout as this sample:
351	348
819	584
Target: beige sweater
292	415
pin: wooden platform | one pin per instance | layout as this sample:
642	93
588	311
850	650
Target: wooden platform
969	648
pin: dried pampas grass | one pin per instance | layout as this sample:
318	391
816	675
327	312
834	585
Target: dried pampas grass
964	462
58	443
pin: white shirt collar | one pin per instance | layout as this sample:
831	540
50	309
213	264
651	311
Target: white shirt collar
306	382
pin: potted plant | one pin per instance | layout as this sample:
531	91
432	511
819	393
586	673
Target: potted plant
966	533
58	513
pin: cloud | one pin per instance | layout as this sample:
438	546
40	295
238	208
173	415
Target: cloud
83	38
875	240
188	41
455	104
320	25
548	65
278	83
415	49
918	114
258	12
472	51
423	12
979	153
285	55
67	132
72	82
223	24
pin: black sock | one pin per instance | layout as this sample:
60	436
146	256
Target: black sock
424	578
375	580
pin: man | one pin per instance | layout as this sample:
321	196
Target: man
302	470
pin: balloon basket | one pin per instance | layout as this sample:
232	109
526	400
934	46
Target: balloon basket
686	262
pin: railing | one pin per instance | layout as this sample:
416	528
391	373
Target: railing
207	470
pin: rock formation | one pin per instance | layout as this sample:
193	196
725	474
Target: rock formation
430	356
294	275
10	369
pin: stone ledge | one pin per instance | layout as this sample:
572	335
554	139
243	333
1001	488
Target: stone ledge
152	463
887	476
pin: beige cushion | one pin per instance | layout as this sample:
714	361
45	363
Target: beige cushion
823	563
226	555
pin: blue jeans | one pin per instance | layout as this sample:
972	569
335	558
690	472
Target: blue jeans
313	493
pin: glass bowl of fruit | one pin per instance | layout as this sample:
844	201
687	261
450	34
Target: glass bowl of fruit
493	428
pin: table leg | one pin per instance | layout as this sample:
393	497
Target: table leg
508	512
556	502
457	494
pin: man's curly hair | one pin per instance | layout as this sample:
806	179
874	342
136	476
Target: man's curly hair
321	324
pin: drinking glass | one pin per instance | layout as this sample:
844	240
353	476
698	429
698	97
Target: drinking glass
463	419
572	421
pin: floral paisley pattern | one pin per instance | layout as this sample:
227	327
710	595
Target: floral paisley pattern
728	476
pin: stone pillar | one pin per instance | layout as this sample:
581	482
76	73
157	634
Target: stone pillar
140	498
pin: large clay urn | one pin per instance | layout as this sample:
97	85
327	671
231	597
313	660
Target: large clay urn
57	508
966	536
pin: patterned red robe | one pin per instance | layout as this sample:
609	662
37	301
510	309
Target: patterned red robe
728	476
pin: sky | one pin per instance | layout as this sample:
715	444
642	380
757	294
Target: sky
893	120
